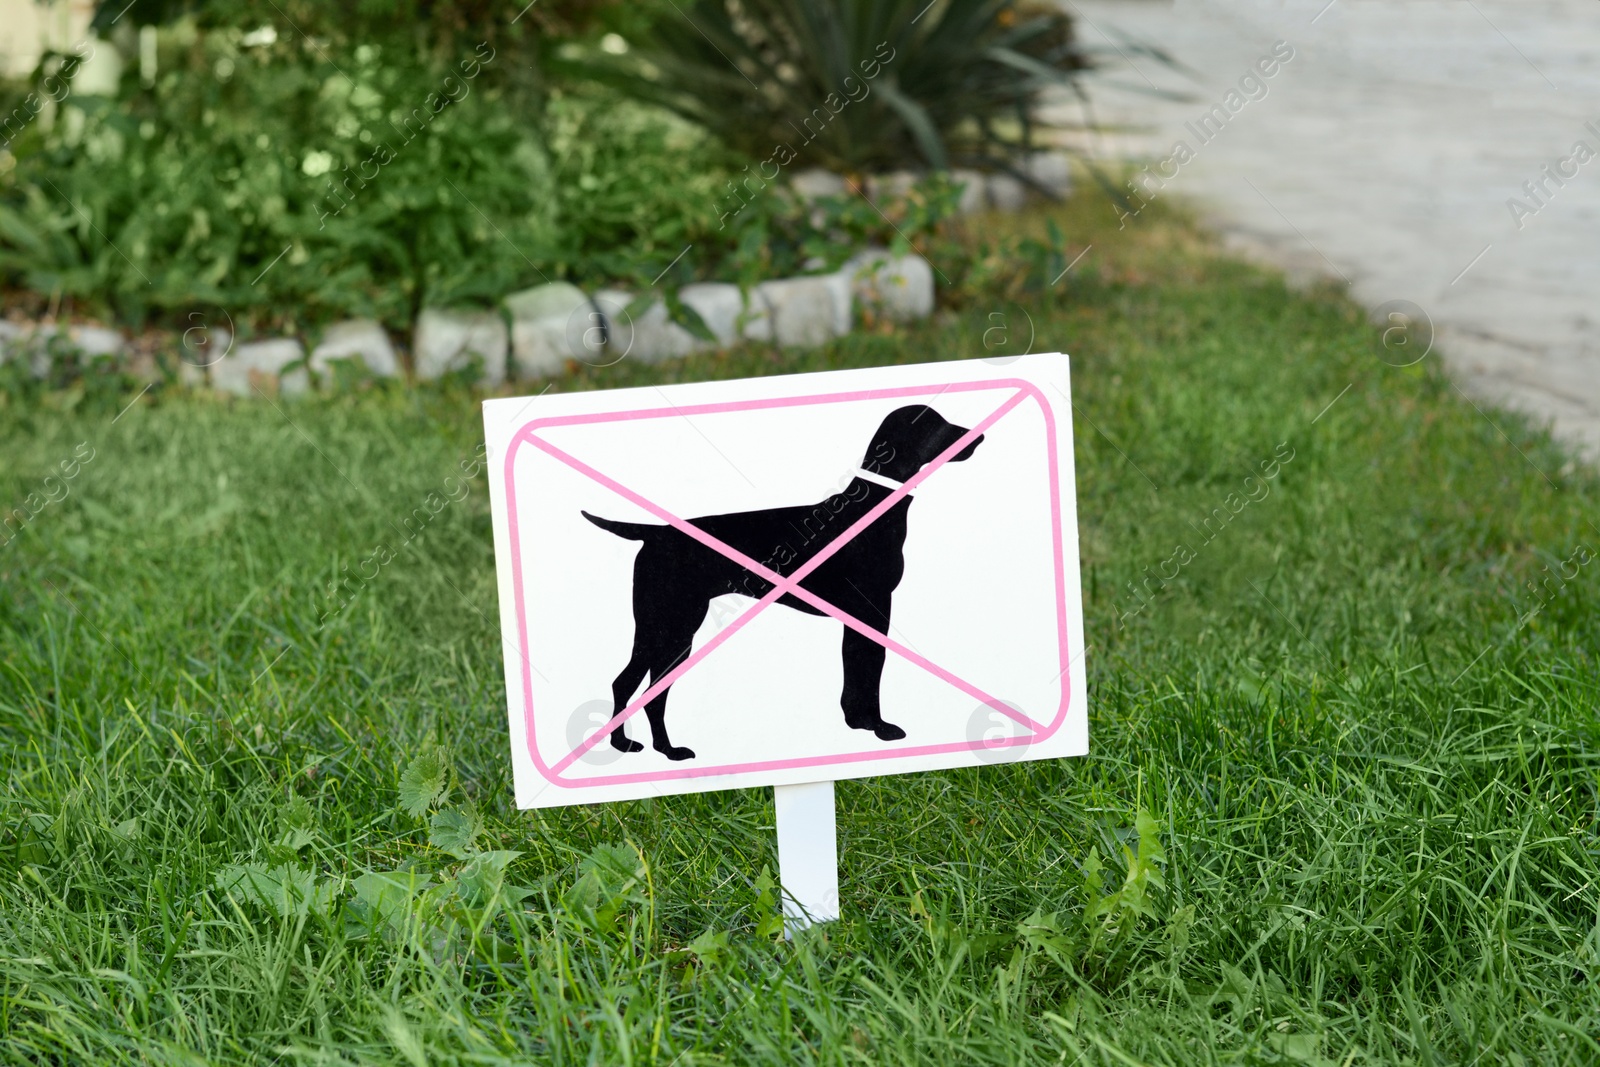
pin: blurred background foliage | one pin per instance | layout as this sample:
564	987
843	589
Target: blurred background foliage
854	85
304	161
415	33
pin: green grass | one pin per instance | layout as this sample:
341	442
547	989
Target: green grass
1368	751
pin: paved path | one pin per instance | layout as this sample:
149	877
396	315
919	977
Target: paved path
1385	151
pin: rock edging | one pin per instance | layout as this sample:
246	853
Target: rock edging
532	334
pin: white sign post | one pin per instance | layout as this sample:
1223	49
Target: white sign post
808	854
786	581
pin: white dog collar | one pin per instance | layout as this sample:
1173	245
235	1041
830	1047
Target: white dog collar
877	479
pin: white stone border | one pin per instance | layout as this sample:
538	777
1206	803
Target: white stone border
535	332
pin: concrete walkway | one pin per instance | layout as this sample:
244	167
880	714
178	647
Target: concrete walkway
1385	151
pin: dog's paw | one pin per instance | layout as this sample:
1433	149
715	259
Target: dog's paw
676	752
622	744
883	731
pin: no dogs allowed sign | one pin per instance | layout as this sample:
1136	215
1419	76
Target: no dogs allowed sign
788	579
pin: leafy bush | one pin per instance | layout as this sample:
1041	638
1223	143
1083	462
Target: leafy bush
277	179
292	187
852	85
632	188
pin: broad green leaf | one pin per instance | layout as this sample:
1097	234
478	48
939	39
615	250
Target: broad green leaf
388	895
425	780
297	814
454	829
710	948
1150	850
296	839
769	916
1093	879
614	868
285	890
483	878
1042	931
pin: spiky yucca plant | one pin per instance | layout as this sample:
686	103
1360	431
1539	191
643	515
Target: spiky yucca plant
851	85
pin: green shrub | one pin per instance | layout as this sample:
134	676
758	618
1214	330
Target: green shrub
277	181
291	187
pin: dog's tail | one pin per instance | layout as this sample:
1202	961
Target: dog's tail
633	531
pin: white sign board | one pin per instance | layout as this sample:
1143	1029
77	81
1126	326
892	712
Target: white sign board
788	579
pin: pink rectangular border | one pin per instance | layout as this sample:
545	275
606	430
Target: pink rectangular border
525	433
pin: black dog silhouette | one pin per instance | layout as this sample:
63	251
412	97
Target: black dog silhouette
675	577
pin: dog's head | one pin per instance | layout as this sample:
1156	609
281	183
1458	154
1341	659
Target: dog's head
911	436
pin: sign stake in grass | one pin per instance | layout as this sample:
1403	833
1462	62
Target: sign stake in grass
916	524
808	854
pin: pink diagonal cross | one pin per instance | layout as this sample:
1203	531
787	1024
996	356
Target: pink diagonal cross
783	585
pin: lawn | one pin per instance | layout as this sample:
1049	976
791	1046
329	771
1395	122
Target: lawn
1355	702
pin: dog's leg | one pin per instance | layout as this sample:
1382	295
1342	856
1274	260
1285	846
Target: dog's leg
669	603
656	710
676	618
621	692
863	671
